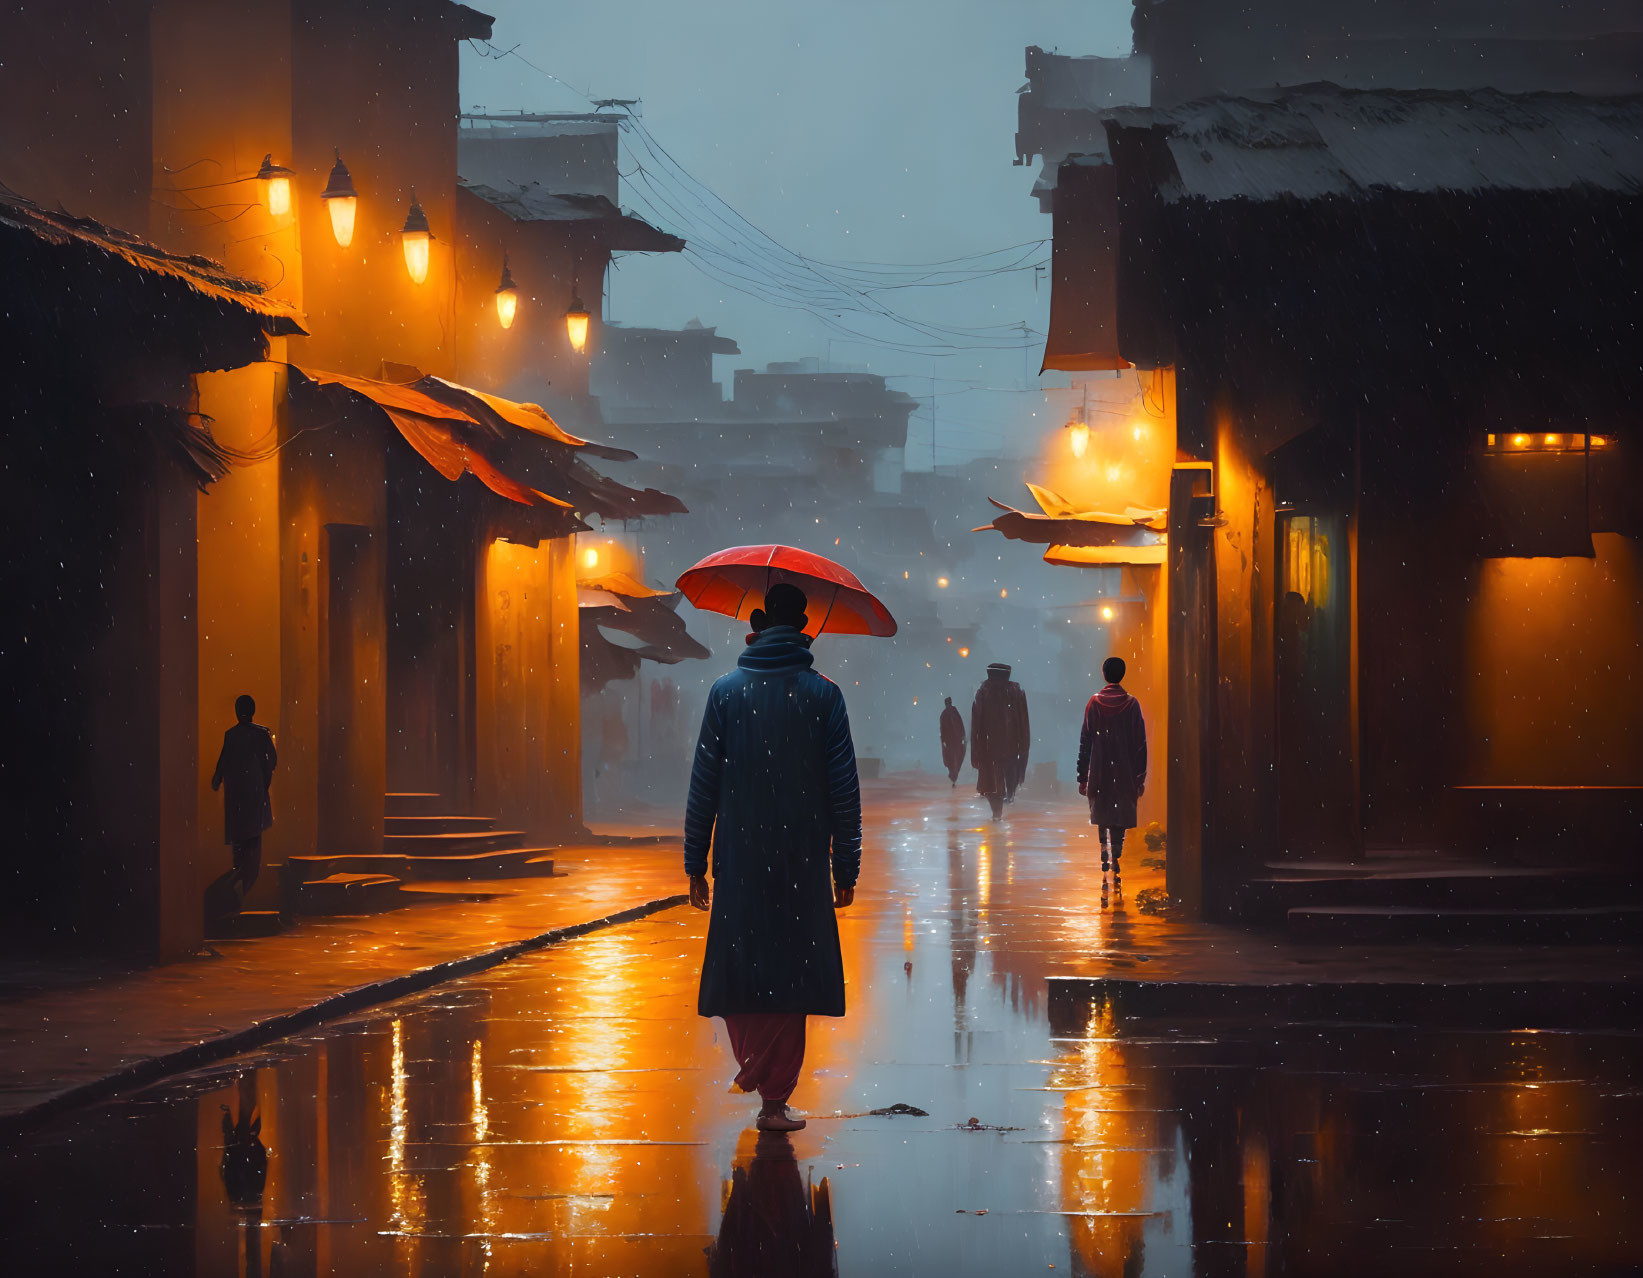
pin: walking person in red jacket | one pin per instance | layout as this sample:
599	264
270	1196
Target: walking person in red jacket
1112	764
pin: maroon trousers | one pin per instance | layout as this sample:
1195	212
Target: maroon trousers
769	1048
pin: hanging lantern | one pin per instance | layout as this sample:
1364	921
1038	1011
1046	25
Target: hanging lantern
415	237
507	296
1078	438
576	324
341	200
276	186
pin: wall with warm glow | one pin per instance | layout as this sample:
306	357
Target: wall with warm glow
237	601
216	114
1552	650
392	121
528	637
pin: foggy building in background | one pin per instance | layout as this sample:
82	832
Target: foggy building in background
381	556
1403	575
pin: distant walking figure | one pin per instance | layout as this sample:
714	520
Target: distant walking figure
245	769
1112	763
952	741
774	792
999	737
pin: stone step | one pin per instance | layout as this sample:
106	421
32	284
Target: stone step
508	863
246	924
446	844
442	824
348	894
1592	925
413	803
1270	899
444	893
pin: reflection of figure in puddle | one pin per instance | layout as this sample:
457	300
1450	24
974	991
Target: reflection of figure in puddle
774	1224
1112	764
773	788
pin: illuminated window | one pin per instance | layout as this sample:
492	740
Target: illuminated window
1306	560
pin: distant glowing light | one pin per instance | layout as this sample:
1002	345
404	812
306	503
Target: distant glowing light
1106	612
276	186
1491	441
1552	441
341	202
590	558
1520	441
415	237
905	575
1600	441
1138	431
964	652
1003	594
1078	438
1114	474
942	582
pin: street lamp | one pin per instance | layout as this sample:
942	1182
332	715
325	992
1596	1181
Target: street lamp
576	323
276	185
341	201
507	296
414	237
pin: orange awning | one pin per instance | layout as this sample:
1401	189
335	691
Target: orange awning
1093	556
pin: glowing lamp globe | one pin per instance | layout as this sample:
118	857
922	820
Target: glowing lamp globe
276	186
415	239
341	201
507	297
576	325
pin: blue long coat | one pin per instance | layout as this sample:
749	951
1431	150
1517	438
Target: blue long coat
774	791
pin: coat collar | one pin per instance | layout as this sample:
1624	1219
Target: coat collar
778	650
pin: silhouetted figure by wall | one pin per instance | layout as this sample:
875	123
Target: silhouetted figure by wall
774	1223
245	770
774	789
952	741
1112	764
1000	737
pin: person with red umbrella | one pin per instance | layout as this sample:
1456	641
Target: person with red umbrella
776	805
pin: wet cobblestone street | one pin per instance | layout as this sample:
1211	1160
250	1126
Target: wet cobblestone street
568	1113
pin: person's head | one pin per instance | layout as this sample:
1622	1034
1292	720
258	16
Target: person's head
949	701
245	709
1112	670
997	670
784	605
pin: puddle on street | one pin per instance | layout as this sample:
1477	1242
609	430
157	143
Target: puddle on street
569	1113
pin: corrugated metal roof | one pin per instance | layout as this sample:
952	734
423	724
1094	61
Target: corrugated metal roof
1324	141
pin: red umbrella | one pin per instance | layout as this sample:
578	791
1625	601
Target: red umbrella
734	582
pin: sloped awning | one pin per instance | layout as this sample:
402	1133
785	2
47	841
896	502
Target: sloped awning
591	215
625	622
1084	270
130	296
515	449
1084	537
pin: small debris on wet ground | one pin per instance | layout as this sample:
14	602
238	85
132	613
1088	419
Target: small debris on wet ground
890	1111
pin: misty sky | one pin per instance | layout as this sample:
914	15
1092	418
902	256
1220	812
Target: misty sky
877	130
